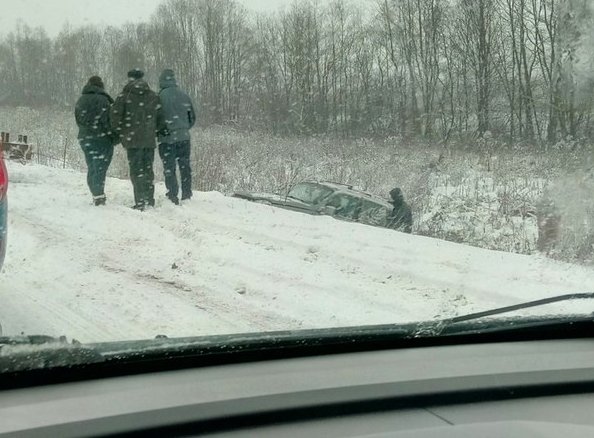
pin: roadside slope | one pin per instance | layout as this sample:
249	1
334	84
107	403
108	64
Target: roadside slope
222	265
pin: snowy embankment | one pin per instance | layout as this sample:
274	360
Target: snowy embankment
220	265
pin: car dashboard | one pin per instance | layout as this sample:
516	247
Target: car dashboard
514	389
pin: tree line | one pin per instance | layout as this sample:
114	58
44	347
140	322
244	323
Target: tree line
519	70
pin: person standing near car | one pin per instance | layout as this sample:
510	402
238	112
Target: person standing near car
401	217
174	140
95	135
136	117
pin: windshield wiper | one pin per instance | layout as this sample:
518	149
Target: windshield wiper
527	305
466	323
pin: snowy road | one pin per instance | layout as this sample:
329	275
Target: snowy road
221	265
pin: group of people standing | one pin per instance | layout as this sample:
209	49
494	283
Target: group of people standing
139	119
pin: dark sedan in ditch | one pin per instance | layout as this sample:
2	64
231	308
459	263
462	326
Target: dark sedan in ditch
326	198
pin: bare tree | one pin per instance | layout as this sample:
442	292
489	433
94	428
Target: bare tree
417	68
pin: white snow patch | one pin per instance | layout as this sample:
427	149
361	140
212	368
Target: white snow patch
223	265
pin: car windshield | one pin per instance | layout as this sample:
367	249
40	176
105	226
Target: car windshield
196	168
310	193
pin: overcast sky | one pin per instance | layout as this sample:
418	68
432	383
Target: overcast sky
53	14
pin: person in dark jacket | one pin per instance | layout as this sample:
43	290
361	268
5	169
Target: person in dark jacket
95	135
136	117
174	141
401	217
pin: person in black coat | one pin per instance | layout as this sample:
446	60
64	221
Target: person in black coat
95	135
136	117
401	217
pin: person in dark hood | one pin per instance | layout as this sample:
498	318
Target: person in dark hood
401	217
95	135
174	141
136	117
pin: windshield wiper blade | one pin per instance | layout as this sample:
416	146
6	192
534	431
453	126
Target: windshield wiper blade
466	324
521	306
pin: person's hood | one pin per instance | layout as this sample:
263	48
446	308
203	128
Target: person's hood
167	79
93	89
138	86
397	197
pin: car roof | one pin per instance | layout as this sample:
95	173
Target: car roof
351	191
328	184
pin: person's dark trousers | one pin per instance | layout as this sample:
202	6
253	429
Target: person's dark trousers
174	154
142	176
98	154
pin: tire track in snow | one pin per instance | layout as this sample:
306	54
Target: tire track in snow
342	292
116	320
76	304
52	307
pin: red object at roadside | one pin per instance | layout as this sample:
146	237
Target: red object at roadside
3	178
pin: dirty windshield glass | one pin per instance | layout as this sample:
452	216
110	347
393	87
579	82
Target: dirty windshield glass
442	150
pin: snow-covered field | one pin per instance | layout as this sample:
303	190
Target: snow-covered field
220	265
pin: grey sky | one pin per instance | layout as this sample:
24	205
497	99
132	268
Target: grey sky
53	14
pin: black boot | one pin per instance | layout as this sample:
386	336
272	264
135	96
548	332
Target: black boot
99	200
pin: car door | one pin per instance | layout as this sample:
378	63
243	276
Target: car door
373	213
344	206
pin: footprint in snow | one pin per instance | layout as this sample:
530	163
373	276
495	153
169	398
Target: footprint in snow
311	254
